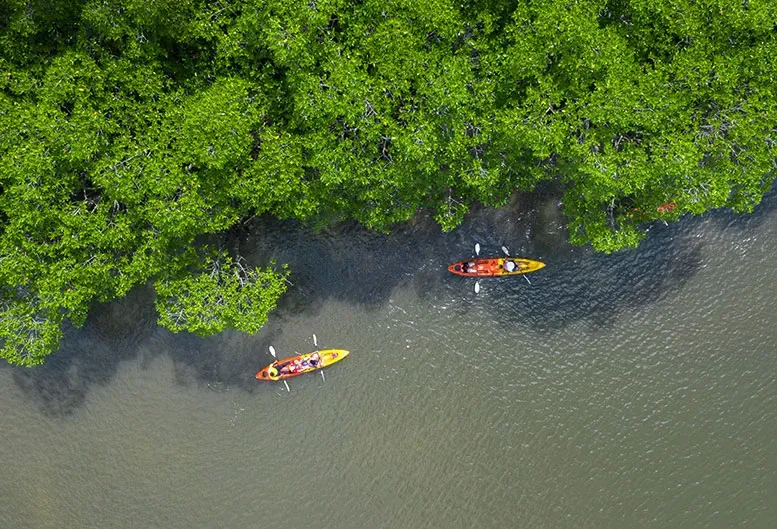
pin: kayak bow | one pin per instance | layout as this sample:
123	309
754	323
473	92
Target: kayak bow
304	363
495	266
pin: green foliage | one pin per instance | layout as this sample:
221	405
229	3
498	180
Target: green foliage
29	329
132	130
224	294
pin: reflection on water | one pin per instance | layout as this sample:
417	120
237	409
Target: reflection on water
631	390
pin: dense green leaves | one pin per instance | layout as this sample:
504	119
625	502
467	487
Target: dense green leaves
224	294
131	131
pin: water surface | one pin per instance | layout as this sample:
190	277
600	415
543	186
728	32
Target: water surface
632	390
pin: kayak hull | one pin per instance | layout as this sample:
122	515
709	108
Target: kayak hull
494	267
286	368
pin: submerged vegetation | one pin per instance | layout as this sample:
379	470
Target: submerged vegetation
132	132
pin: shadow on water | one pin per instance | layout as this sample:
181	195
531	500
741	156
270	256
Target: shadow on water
91	355
355	266
595	289
580	285
127	330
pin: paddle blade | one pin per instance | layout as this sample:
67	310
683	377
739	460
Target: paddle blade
322	375
527	279
315	340
287	386
272	351
477	249
505	250
477	287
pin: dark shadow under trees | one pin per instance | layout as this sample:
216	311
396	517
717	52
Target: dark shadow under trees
356	266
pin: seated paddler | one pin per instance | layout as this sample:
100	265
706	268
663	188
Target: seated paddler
314	360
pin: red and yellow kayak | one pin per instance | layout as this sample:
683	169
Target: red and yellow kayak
305	363
494	266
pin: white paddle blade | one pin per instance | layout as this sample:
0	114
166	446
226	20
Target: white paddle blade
315	340
287	386
505	250
272	351
527	279
477	248
322	375
477	287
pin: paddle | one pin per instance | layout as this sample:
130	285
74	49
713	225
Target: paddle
315	343
272	352
477	282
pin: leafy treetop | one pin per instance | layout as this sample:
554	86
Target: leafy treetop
134	130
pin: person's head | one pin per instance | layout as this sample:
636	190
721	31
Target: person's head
272	372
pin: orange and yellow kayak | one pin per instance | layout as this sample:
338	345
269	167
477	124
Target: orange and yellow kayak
495	266
305	363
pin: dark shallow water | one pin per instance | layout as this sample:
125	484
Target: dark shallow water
632	390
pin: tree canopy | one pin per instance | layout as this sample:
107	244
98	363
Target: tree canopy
133	130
